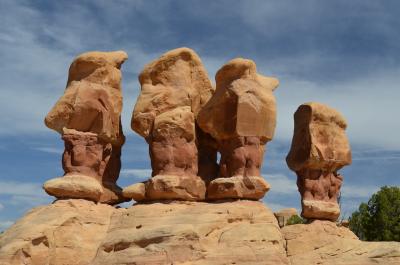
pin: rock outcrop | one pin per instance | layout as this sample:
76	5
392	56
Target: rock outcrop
241	116
88	118
65	232
324	243
173	89
284	215
319	149
81	232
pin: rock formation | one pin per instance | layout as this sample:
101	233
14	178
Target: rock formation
238	232
319	149
88	118
323	242
284	215
173	89
241	116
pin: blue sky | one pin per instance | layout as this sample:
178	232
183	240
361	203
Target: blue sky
342	53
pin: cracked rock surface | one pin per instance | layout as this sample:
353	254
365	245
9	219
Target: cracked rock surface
171	232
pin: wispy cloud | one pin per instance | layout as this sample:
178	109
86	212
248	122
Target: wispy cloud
278	206
140	174
30	201
358	191
47	149
1	206
5	224
21	188
281	183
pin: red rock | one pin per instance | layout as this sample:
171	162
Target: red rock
319	149
241	116
88	118
173	89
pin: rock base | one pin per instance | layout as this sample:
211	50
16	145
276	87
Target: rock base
76	186
174	232
239	187
320	210
322	242
170	187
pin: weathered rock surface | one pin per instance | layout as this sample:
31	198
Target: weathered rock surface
284	215
82	232
92	100
241	116
173	89
322	242
65	232
241	232
319	149
88	116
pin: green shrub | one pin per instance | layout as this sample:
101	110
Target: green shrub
295	219
379	219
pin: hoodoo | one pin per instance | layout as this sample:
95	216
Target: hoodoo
319	149
88	117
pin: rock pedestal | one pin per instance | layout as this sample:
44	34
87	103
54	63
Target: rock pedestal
238	232
88	118
173	89
319	149
241	116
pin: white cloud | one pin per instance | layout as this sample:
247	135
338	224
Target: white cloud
5	224
1	206
281	183
140	174
47	149
21	188
358	191
278	206
368	104
30	201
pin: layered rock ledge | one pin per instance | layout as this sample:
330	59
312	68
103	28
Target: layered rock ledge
230	232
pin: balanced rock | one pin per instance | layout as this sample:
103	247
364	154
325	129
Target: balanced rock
88	116
173	89
319	149
241	116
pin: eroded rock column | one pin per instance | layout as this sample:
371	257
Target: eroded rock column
88	117
173	89
319	149
241	116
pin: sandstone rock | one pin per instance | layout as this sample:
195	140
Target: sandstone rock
92	101
136	191
176	79
74	186
319	139
237	187
314	209
284	215
81	232
170	187
179	232
88	118
241	232
173	89
322	242
243	103
319	149
65	232
241	116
